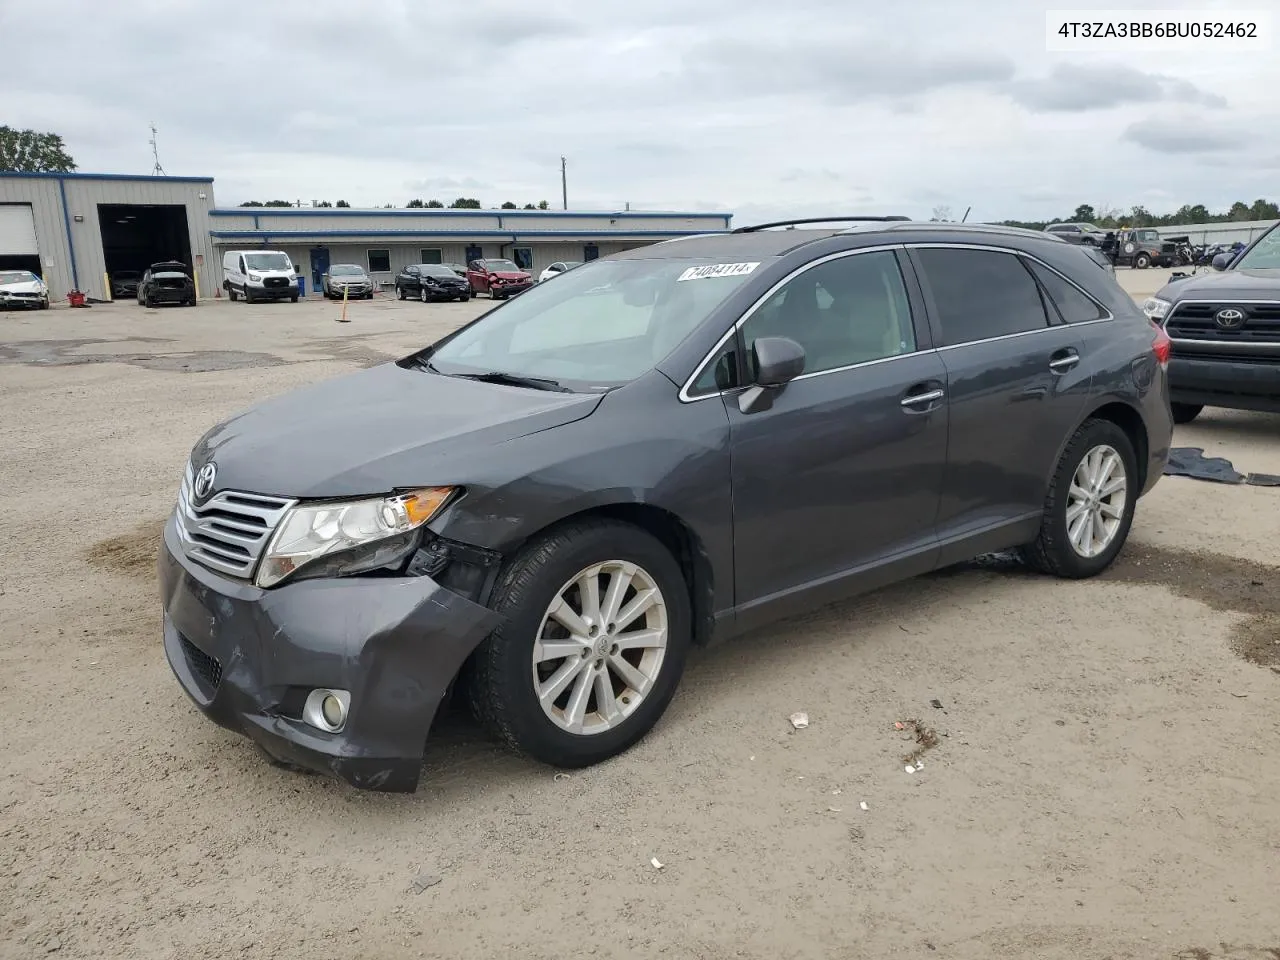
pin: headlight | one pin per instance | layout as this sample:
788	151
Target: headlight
255	278
1155	308
368	534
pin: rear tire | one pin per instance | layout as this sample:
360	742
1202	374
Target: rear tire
1142	261
1185	412
231	294
1084	526
503	682
422	294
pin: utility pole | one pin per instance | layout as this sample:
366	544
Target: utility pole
157	170
564	183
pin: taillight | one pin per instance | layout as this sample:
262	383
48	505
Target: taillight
1161	346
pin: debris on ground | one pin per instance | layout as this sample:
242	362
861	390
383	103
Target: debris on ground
425	881
909	768
937	705
926	738
657	864
562	776
833	809
799	720
863	805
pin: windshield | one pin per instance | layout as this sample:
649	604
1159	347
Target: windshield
599	326
1265	255
346	270
501	266
17	276
267	261
436	270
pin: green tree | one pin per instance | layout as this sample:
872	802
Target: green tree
415	204
252	203
1084	214
465	203
1264	210
342	203
277	203
543	205
435	204
508	205
323	203
29	151
530	206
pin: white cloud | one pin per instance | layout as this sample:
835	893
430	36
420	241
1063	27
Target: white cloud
816	107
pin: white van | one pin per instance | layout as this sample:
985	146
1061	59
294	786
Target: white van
259	275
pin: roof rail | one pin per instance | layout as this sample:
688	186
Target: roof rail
791	223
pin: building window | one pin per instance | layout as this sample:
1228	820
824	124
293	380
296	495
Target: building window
431	255
590	251
523	256
379	261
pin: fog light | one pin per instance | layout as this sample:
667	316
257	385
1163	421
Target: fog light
327	709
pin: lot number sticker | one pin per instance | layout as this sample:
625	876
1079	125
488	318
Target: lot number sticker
717	270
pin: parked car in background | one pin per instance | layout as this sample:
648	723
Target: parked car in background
347	279
498	278
22	289
1085	233
459	268
167	282
259	275
431	281
1225	329
553	504
124	284
557	268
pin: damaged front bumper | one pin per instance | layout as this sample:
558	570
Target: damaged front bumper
249	657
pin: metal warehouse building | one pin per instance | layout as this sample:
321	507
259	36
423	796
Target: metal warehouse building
76	229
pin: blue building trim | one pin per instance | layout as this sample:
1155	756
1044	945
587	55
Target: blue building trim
71	247
448	212
515	236
103	176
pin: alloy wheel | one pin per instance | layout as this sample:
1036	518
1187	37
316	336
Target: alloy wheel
1096	501
600	647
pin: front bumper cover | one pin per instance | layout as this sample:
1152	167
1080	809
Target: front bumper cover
1252	384
246	657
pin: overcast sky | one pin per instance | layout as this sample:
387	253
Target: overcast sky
784	107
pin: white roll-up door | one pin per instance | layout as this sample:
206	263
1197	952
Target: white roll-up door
17	231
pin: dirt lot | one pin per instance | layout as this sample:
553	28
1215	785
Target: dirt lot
1103	783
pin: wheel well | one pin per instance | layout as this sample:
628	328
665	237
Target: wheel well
1128	420
684	545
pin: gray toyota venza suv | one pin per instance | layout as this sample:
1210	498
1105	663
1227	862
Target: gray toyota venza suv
549	507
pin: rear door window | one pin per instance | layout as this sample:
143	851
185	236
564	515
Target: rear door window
1072	304
980	294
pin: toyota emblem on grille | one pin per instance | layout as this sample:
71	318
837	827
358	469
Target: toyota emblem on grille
204	480
1229	318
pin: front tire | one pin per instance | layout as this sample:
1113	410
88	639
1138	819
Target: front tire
1090	504
1185	412
1142	261
555	682
422	294
464	298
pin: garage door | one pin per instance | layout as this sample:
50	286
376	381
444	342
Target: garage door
17	231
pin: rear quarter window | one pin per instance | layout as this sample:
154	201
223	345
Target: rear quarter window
1072	304
980	294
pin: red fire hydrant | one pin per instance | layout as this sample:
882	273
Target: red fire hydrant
75	298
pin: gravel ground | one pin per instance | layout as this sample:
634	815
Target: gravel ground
1099	759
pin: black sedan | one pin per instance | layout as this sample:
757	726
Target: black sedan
167	282
124	284
431	281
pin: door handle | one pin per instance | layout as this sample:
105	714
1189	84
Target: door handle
1064	361
920	399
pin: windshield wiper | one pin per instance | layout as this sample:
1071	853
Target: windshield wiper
515	380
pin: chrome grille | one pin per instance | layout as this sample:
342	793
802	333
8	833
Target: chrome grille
228	532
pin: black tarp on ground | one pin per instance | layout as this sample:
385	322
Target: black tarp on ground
1191	462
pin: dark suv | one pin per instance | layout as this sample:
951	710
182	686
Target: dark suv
550	506
1225	328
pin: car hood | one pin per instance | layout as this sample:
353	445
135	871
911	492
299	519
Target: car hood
374	431
25	286
1225	285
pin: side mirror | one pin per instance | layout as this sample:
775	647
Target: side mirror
776	361
1222	261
